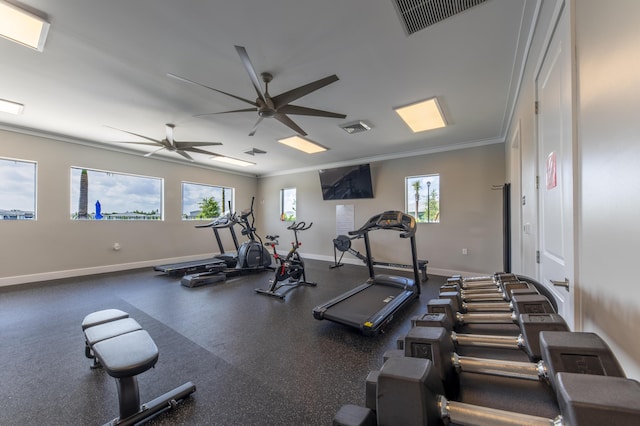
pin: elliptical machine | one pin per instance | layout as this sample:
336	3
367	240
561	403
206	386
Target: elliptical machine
289	272
251	254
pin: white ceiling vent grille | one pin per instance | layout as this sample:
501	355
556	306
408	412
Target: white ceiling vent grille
356	127
417	15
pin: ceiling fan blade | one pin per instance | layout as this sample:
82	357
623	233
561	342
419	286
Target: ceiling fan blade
246	62
293	94
169	133
255	127
140	136
149	154
187	145
200	151
298	110
186	80
226	112
141	143
289	123
185	155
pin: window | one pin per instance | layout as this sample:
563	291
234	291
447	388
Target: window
100	195
288	205
205	201
422	194
17	189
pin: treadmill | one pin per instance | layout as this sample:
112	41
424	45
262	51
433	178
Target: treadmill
371	306
191	267
224	222
216	264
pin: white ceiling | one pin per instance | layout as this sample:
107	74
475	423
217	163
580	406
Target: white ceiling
105	64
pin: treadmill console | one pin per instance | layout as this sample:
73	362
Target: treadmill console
390	219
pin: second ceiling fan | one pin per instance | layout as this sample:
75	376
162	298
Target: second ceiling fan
278	107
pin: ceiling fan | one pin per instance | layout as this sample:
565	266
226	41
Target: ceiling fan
170	144
277	107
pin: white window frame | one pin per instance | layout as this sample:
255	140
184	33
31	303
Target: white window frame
12	190
207	189
285	214
132	212
430	183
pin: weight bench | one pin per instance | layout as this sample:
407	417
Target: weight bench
125	350
103	325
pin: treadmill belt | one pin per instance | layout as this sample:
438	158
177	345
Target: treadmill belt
189	266
361	306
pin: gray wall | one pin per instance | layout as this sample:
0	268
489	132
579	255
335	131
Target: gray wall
54	246
471	212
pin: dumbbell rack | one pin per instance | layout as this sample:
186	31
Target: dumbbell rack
492	382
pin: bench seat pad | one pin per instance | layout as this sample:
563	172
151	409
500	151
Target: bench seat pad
128	354
110	329
100	317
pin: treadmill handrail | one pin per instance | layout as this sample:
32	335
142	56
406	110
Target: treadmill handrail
402	222
224	221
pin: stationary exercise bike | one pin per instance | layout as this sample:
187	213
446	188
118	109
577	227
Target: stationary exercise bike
289	271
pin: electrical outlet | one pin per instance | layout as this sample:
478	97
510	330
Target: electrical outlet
464	251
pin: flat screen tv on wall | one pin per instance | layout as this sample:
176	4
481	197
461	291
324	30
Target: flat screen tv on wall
348	182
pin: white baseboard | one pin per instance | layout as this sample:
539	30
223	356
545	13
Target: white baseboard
430	270
71	273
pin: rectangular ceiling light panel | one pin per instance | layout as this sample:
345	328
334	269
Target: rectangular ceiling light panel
233	161
424	115
22	27
11	107
303	145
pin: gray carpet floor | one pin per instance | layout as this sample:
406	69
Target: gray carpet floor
255	360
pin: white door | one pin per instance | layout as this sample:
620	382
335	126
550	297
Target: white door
555	170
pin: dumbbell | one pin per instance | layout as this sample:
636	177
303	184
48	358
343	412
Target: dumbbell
528	340
408	392
562	351
520	304
500	287
494	302
502	294
487	282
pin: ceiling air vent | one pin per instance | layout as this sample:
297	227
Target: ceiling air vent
417	15
254	151
356	127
